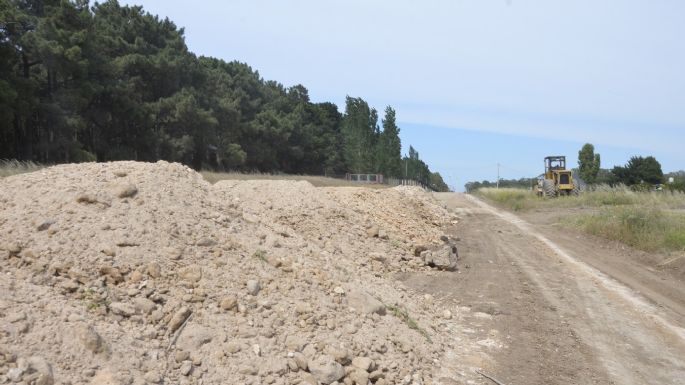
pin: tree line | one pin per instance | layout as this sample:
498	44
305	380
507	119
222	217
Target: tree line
110	82
640	173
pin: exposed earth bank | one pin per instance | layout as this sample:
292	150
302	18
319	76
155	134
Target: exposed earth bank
132	273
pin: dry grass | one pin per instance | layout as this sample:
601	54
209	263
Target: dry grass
317	181
600	196
10	167
644	220
647	228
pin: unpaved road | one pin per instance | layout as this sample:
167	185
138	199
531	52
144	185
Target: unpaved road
559	320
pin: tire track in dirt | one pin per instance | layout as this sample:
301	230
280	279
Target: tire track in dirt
634	341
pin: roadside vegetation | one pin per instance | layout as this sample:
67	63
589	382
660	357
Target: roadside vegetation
650	221
14	167
317	181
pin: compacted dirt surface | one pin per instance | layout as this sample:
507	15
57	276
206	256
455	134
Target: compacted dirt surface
558	319
144	273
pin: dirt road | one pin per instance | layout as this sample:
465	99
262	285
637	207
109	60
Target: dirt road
554	318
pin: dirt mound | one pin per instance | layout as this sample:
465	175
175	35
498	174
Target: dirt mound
132	273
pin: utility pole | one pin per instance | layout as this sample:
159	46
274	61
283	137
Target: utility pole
498	175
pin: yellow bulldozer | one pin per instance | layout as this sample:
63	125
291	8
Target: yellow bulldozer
556	180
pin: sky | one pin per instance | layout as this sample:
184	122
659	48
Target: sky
474	82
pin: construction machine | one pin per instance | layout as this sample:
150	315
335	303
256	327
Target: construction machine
556	180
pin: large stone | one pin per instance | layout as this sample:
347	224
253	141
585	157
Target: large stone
42	368
192	273
365	303
122	309
326	370
144	305
125	190
363	363
193	337
228	303
90	339
178	318
444	258
253	287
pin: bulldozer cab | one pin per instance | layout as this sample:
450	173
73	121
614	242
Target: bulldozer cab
554	163
556	180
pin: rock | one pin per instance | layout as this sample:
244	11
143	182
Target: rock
43	370
325	369
153	377
125	190
122	309
308	379
90	339
294	343
376	375
382	234
46	224
419	249
363	363
359	377
144	305
274	261
365	303
338	290
179	317
13	248
341	355
86	198
104	377
108	251
300	360
112	274
15	317
181	355
192	273
256	350
380	257
233	347
372	231
253	287
69	286
15	374
154	270
135	277
186	367
444	258
228	303
206	242
173	253
446	314
193	337
303	308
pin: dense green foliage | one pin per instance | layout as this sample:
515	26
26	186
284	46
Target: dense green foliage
111	82
523	183
639	170
588	163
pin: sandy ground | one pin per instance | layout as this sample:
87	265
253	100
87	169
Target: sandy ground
562	312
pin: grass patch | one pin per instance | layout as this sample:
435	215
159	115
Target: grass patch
600	196
404	316
317	181
647	228
260	254
9	167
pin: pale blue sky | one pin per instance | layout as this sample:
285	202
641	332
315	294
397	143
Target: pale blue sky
474	82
